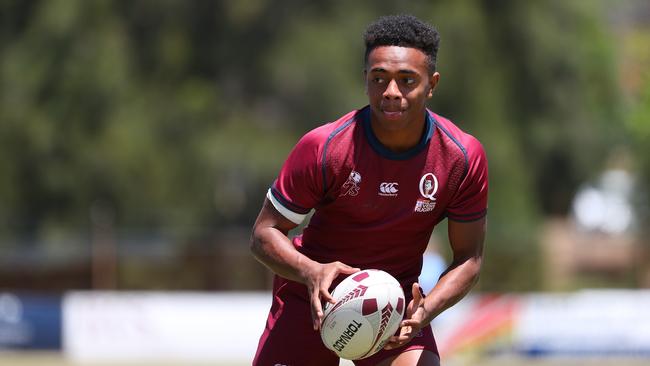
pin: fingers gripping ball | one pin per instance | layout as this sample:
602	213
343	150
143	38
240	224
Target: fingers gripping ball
368	310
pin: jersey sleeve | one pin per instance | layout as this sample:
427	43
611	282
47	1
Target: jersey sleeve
299	187
470	201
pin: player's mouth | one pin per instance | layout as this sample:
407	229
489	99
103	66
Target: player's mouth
392	113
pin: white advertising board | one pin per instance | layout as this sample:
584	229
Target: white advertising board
171	327
597	322
224	328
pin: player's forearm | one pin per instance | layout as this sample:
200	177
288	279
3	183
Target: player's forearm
453	285
272	248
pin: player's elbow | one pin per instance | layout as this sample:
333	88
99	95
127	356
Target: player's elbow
475	268
256	245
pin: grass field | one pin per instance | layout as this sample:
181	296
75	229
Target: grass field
56	359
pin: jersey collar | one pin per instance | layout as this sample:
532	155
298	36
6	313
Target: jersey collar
383	151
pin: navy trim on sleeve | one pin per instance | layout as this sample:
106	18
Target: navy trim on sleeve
467	217
288	204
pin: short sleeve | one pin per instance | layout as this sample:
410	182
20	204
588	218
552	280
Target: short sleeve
470	201
299	186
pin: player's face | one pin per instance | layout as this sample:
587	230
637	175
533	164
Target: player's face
398	84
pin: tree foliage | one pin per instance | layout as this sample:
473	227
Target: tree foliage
179	114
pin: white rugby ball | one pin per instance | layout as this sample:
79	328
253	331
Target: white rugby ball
368	310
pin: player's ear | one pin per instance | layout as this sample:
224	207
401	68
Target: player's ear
433	82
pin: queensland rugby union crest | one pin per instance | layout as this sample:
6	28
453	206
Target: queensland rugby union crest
428	188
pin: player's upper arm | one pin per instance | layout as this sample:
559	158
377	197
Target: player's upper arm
466	238
270	217
270	234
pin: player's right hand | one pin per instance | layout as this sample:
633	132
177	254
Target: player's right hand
318	280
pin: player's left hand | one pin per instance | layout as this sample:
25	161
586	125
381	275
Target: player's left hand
414	322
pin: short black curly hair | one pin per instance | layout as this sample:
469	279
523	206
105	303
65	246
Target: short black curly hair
406	31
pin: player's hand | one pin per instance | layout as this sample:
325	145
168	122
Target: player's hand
414	322
318	281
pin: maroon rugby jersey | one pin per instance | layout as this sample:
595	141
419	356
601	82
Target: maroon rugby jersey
375	208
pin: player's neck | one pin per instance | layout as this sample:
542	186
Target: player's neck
399	139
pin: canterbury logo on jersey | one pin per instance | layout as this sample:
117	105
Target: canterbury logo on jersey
388	189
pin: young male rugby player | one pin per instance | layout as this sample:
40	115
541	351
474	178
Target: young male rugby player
379	179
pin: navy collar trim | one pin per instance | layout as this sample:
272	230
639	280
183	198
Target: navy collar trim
383	151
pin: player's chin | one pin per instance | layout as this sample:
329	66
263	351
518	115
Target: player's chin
394	121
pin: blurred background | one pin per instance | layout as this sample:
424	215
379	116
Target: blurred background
138	139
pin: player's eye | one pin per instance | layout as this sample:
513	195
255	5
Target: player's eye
378	80
408	81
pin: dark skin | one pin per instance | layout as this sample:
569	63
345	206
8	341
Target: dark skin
398	83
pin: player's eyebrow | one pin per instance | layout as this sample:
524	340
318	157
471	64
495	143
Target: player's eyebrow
406	71
402	71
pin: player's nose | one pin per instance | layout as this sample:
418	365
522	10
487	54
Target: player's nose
392	90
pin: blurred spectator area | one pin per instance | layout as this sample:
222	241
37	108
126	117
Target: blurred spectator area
574	258
600	242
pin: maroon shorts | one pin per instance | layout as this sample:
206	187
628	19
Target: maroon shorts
290	339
